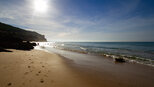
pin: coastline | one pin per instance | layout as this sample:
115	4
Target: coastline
138	52
109	73
37	68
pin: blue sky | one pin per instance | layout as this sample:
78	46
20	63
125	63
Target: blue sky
83	20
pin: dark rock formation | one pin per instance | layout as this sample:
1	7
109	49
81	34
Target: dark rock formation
16	38
121	60
8	33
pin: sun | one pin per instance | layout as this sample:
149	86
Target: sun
40	6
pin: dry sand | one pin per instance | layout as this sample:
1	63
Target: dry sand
41	69
35	69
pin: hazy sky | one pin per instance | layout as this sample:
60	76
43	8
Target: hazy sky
83	20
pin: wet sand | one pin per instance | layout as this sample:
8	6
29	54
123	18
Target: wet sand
41	69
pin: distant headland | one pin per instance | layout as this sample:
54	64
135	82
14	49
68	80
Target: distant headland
16	38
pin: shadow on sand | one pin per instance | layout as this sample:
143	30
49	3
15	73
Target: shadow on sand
4	50
19	45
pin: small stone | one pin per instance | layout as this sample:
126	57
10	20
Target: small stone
120	60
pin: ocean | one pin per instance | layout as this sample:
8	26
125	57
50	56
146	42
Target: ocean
140	52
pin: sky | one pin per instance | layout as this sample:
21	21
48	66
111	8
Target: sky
83	20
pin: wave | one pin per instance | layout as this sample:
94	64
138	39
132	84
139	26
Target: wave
128	58
83	48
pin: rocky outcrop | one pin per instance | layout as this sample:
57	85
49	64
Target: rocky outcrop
16	38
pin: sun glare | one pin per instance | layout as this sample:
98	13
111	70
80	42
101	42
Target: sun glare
40	6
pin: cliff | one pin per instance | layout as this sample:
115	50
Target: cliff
10	33
16	38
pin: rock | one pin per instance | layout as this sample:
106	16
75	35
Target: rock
119	60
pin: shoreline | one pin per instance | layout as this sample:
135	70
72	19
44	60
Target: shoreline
115	74
131	59
41	69
130	51
123	72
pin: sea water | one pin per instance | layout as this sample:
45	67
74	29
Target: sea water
142	52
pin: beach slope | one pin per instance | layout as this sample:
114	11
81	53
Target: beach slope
36	69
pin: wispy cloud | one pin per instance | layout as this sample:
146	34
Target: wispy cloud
115	25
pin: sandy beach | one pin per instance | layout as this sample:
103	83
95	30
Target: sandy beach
41	69
35	69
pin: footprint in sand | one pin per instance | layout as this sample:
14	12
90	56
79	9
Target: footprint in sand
41	81
5	67
45	75
43	66
52	81
32	62
25	73
28	66
29	59
9	84
39	72
23	83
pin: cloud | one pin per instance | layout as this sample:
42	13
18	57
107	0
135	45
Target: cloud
57	26
6	16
